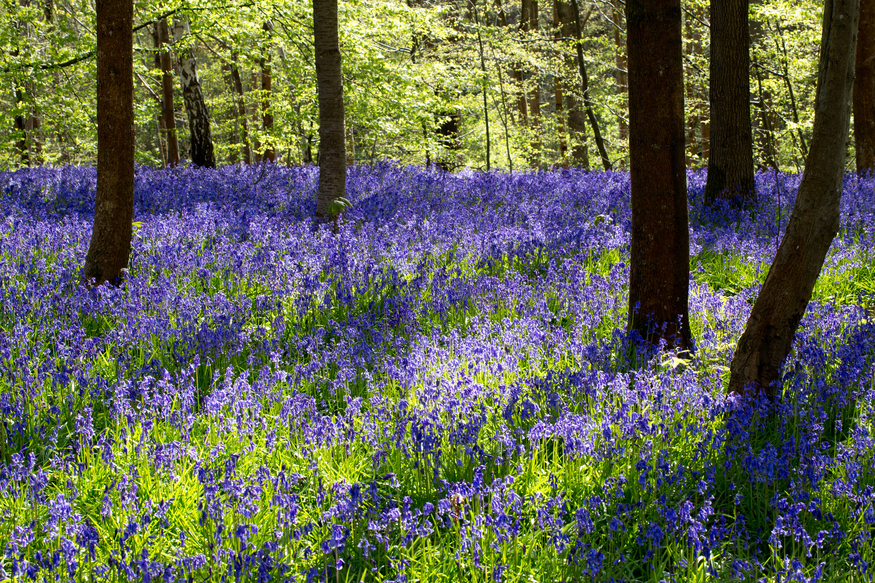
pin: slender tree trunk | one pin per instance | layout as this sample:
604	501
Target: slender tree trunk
517	73
535	94
767	122
266	112
694	91
202	153
621	77
769	332
584	89
660	262
864	90
730	167
576	116
114	209
241	110
485	86
329	80
557	91
168	111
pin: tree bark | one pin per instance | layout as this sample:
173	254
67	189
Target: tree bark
241	110
864	90
621	77
534	94
768	335
266	112
558	92
168	111
201	148
730	166
114	208
576	116
660	263
329	81
584	89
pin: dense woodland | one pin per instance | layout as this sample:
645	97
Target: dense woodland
455	84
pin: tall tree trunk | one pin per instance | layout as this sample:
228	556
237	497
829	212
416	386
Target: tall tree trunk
168	111
241	110
621	77
534	93
114	209
660	262
584	89
329	80
266	112
27	123
694	90
557	91
864	90
517	72
767	123
730	166
769	332
201	148
576	114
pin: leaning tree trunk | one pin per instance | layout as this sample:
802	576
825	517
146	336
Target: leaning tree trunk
329	81
201	149
769	333
114	209
660	262
864	90
730	166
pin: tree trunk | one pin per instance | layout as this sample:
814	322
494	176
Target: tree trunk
864	90
557	91
621	77
114	208
584	89
730	166
329	81
266	112
660	262
535	94
576	115
241	110
769	332
168	111
201	148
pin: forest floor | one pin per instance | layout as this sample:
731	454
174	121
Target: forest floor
442	391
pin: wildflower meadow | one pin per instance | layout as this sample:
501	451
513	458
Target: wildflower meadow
442	390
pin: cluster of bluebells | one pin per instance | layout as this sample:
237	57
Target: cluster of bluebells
444	386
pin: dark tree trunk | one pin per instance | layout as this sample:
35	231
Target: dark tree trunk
201	148
864	89
534	93
329	80
576	115
266	112
558	92
660	262
168	111
584	89
448	134
241	110
621	77
769	332
114	209
730	166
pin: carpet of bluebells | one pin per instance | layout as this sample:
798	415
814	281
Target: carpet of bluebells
443	390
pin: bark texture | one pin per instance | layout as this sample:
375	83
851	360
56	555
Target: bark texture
329	81
769	332
201	148
240	102
660	263
114	209
864	89
730	166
